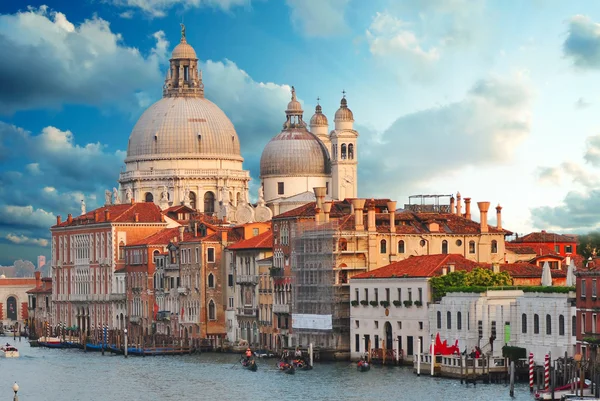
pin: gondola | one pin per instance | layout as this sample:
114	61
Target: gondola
363	367
301	364
287	368
249	364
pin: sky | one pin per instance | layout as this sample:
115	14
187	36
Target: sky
495	99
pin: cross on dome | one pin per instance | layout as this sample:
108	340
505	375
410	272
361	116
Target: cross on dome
343	93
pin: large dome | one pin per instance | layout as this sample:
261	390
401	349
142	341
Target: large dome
295	152
183	127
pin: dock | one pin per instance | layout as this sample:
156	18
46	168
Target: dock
486	369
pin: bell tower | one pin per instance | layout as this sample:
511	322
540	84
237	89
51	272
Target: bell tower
344	153
183	78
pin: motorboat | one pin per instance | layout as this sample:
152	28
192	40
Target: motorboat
8	351
566	390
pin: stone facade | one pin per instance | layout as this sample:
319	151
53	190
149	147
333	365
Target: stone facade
14	300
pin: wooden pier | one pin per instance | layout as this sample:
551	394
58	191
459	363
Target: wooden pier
487	369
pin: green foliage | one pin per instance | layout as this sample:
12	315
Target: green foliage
397	303
354	303
408	304
385	304
589	244
374	303
514	353
540	289
418	303
477	277
364	302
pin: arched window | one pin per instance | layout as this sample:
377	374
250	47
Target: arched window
561	325
148	197
548	324
523	323
350	151
439	320
343	151
494	246
458	321
536	324
193	200
401	248
212	315
209	202
471	247
444	246
383	246
449	320
121	250
573	325
211	281
343	244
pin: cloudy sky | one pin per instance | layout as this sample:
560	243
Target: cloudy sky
495	99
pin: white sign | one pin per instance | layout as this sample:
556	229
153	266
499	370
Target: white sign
314	322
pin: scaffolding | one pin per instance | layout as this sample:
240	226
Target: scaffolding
319	314
428	204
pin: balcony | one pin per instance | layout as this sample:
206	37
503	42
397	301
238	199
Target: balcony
247	311
117	297
135	319
183	290
281	308
251	279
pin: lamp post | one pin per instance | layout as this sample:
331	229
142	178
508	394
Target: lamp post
125	341
15	388
432	354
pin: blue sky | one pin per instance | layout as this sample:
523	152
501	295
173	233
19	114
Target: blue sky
495	99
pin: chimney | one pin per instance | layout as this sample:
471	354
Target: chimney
195	229
132	201
391	205
499	216
136	217
483	211
96	214
371	221
58	220
162	218
320	193
358	205
452	204
223	236
468	208
69	218
38	278
318	215
458	204
327	210
568	260
495	268
181	231
106	215
444	271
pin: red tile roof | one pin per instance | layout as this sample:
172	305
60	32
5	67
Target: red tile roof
163	237
420	266
41	290
261	241
179	209
543	236
527	270
147	212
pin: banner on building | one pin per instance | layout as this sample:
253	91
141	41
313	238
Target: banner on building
313	322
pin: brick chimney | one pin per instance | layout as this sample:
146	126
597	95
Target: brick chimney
38	278
320	193
452	204
358	205
468	208
483	211
327	210
391	205
371	221
69	218
223	236
136	217
58	220
499	216
458	204
181	231
107	215
96	215
132	201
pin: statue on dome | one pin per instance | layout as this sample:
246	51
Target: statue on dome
116	199
182	30
186	196
164	197
128	195
225	196
107	197
82	207
261	195
293	93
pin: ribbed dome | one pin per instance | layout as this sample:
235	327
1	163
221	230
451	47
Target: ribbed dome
295	151
183	127
344	113
319	118
183	50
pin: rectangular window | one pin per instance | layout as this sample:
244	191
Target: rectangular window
387	295
376	295
582	288
376	324
421	295
594	317
471	247
327	188
357	342
557	248
420	325
367	294
376	345
356	297
400	327
230	280
400	294
494	329
568	248
583	323
421	341
594	288
367	342
210	255
356	324
230	302
480	328
410	294
280	188
197	254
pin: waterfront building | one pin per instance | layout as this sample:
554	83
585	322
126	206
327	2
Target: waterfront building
563	245
245	256
266	322
298	159
540	322
86	252
39	305
14	307
588	310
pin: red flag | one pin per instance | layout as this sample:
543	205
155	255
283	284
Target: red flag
155	310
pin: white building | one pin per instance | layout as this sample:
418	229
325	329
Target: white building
297	160
539	322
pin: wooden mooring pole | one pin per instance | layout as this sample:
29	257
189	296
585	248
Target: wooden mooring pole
512	378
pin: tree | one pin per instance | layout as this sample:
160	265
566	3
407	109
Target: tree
477	277
589	244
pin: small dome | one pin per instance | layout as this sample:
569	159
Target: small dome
344	113
183	51
295	152
319	118
294	106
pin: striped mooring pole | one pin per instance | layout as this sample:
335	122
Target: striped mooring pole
531	372
547	372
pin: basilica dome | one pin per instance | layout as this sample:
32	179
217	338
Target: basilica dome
183	127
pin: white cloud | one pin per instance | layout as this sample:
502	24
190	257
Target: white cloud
25	216
85	63
159	8
23	240
592	151
33	168
319	17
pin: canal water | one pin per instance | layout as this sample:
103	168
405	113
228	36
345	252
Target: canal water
72	375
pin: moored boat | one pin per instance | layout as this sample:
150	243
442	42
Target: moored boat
51	342
249	364
287	368
301	364
8	351
561	391
363	366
